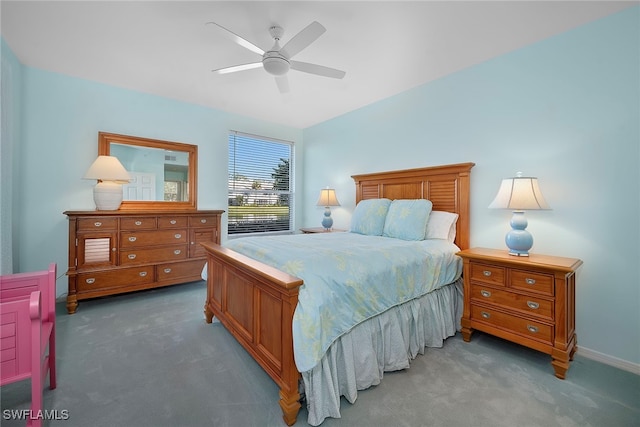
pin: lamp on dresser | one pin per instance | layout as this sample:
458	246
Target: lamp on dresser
327	199
519	193
110	174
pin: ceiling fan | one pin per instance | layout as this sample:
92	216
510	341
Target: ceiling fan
277	60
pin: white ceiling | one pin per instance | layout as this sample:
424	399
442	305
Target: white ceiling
165	48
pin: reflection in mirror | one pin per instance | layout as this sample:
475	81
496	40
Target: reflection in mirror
156	174
163	173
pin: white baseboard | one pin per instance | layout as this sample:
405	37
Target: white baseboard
609	360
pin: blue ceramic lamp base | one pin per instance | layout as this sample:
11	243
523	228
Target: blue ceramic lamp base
327	221
519	240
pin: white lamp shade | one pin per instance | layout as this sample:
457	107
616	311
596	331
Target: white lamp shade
519	193
108	168
328	198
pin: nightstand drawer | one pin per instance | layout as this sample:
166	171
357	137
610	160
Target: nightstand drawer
531	282
487	274
521	326
526	304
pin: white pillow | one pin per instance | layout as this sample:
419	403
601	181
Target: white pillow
441	225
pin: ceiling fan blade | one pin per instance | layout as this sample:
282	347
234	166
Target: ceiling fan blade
303	39
317	69
236	68
283	83
236	38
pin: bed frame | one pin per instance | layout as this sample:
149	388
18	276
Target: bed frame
255	302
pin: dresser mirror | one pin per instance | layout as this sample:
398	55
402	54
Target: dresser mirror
163	173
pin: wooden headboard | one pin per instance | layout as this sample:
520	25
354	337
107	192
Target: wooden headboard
446	186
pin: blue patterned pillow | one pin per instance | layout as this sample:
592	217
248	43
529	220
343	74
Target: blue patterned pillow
407	219
369	217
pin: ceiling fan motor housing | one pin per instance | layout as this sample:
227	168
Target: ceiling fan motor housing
274	63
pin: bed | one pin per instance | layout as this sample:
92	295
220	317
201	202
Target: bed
257	302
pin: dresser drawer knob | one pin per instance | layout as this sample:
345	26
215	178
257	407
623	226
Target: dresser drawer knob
173	222
167	270
486	273
485	294
90	281
97	224
532	329
177	252
485	314
533	305
177	235
138	223
530	281
143	273
132	239
131	256
204	221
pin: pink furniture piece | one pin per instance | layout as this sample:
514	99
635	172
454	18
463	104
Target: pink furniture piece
28	327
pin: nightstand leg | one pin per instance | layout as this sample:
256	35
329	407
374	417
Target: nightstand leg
465	329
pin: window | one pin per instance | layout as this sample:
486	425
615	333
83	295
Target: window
260	184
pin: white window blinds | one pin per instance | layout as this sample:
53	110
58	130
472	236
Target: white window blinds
260	184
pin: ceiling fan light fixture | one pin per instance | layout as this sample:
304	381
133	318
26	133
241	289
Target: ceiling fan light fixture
275	64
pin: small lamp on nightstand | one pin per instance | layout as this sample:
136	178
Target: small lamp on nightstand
519	193
110	175
327	199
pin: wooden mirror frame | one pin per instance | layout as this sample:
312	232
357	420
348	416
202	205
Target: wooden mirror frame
104	148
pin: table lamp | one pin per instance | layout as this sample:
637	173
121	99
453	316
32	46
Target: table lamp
110	174
519	193
327	199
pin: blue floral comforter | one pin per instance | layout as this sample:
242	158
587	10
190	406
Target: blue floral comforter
348	278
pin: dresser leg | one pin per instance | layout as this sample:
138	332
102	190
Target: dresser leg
560	367
72	304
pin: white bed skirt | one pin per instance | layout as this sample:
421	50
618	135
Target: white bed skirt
387	342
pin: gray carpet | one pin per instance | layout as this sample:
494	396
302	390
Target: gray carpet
149	359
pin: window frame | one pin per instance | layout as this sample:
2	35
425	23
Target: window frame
234	138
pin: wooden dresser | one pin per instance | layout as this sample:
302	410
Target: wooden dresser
527	300
112	252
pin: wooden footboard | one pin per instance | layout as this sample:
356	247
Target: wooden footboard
255	302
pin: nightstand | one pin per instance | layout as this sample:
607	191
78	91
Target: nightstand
526	300
309	230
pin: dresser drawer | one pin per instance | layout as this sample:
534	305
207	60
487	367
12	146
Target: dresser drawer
147	255
518	325
488	274
138	223
173	222
152	238
115	278
203	221
98	223
531	282
178	270
530	305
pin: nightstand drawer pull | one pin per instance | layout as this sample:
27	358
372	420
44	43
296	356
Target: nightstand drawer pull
91	281
138	223
486	273
97	223
204	221
131	256
530	281
485	314
485	294
532	329
167	270
143	273
132	239
173	222
177	235
177	251
533	305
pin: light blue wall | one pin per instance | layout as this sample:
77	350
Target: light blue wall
565	110
61	120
